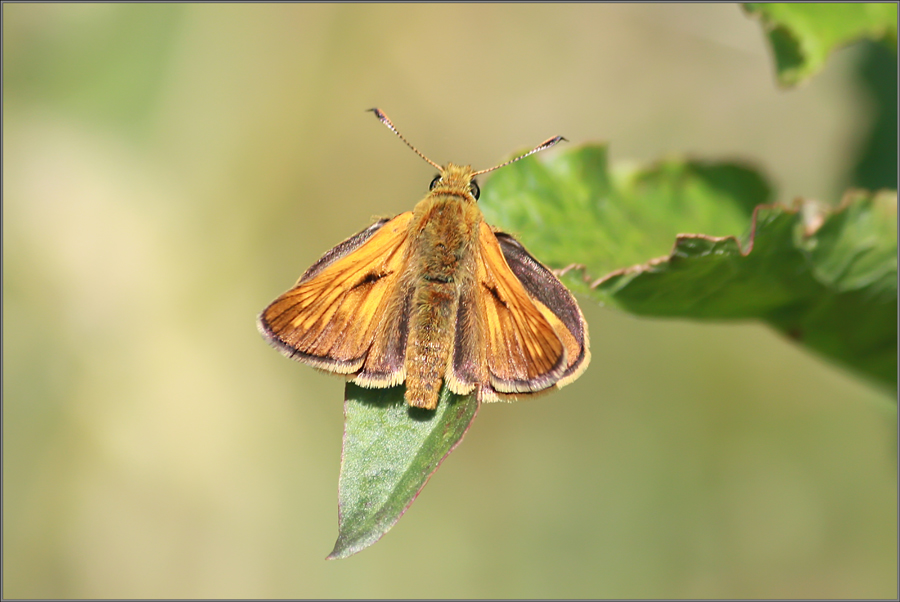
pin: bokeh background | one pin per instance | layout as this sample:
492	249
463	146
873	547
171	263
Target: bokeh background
169	169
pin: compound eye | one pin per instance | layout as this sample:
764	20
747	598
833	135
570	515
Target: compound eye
476	191
434	182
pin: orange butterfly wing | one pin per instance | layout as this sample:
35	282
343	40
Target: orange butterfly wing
555	301
529	325
331	317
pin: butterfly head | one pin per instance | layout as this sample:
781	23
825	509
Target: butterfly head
457	180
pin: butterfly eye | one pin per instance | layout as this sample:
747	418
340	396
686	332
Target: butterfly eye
434	182
476	191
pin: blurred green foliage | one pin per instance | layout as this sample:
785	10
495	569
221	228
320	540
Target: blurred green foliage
804	35
107	66
876	166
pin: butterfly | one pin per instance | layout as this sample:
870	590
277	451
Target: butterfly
434	297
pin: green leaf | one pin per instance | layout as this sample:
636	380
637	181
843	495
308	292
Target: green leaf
390	452
803	35
833	288
826	278
571	208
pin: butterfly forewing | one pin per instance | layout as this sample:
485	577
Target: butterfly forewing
330	318
524	353
555	302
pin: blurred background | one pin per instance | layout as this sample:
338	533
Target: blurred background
169	169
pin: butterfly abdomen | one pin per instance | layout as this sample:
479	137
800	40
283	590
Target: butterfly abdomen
445	229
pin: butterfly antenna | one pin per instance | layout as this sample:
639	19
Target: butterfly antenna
384	119
542	146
